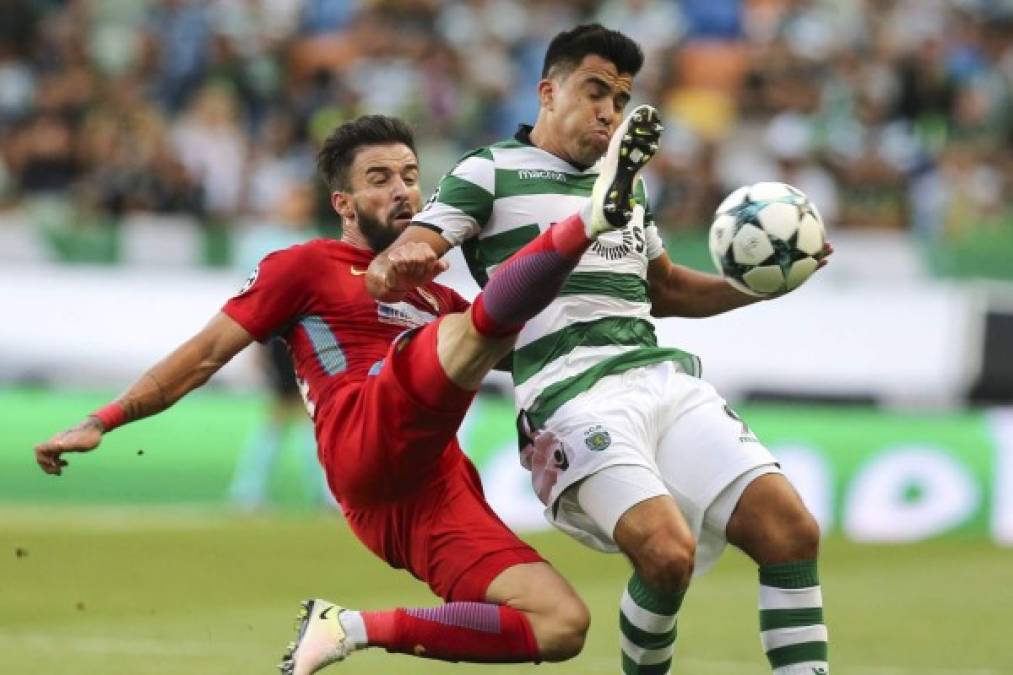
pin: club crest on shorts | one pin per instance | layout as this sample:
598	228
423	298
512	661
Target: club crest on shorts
597	438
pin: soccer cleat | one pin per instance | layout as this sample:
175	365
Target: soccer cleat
321	640
633	144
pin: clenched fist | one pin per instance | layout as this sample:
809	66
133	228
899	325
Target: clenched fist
402	268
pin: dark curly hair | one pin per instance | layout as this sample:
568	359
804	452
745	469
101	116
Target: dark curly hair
339	150
569	48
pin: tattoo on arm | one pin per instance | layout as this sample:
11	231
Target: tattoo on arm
189	366
145	398
90	422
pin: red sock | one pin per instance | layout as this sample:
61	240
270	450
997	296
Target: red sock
458	631
530	279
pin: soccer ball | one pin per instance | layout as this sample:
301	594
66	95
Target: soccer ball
765	238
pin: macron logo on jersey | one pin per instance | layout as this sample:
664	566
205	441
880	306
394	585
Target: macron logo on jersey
402	314
541	174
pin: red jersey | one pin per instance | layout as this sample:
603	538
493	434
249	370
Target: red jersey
314	296
392	460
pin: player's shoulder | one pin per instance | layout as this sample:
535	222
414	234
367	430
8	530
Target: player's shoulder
305	256
293	250
495	152
313	248
481	152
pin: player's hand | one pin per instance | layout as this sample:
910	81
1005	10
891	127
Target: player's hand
824	253
821	262
82	438
403	268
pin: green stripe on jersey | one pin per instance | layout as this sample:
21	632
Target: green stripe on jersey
485	152
556	395
612	330
771	619
640	194
467	197
509	144
481	254
517	182
632	287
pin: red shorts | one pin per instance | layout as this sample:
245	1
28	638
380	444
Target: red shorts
409	493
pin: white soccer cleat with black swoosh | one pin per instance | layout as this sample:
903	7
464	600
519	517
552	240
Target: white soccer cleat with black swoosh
321	640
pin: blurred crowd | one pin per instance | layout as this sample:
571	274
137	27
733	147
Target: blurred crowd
888	113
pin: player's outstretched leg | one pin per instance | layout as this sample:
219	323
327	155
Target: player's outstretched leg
528	281
457	631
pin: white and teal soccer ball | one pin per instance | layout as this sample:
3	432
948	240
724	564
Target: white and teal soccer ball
765	238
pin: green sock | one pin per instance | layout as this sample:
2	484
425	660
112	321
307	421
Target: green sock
647	619
791	619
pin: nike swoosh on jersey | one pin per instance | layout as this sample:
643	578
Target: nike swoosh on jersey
357	272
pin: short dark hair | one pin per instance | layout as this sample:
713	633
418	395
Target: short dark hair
569	48
338	152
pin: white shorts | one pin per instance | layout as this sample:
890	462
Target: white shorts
648	432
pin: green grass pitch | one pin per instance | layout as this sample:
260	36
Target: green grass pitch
174	592
92	586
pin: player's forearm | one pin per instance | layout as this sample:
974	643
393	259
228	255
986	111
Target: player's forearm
185	369
688	293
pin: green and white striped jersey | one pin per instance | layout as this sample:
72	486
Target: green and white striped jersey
500	197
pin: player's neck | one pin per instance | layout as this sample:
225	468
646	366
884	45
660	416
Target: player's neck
353	237
543	139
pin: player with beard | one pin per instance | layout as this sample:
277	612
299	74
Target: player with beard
387	385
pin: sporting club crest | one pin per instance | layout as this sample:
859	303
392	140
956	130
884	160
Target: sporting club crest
597	438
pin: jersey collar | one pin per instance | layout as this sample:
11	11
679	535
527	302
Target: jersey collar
523	135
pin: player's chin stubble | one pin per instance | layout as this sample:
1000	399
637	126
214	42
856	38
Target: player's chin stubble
379	234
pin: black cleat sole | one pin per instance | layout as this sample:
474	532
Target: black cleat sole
638	145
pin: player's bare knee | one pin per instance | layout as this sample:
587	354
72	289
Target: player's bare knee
788	537
665	561
564	630
805	537
466	355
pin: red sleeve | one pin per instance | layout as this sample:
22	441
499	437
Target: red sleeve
277	291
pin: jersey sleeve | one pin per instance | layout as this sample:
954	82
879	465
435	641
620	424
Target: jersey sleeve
276	292
462	203
652	240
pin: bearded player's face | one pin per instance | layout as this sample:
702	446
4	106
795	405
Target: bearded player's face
385	192
587	106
